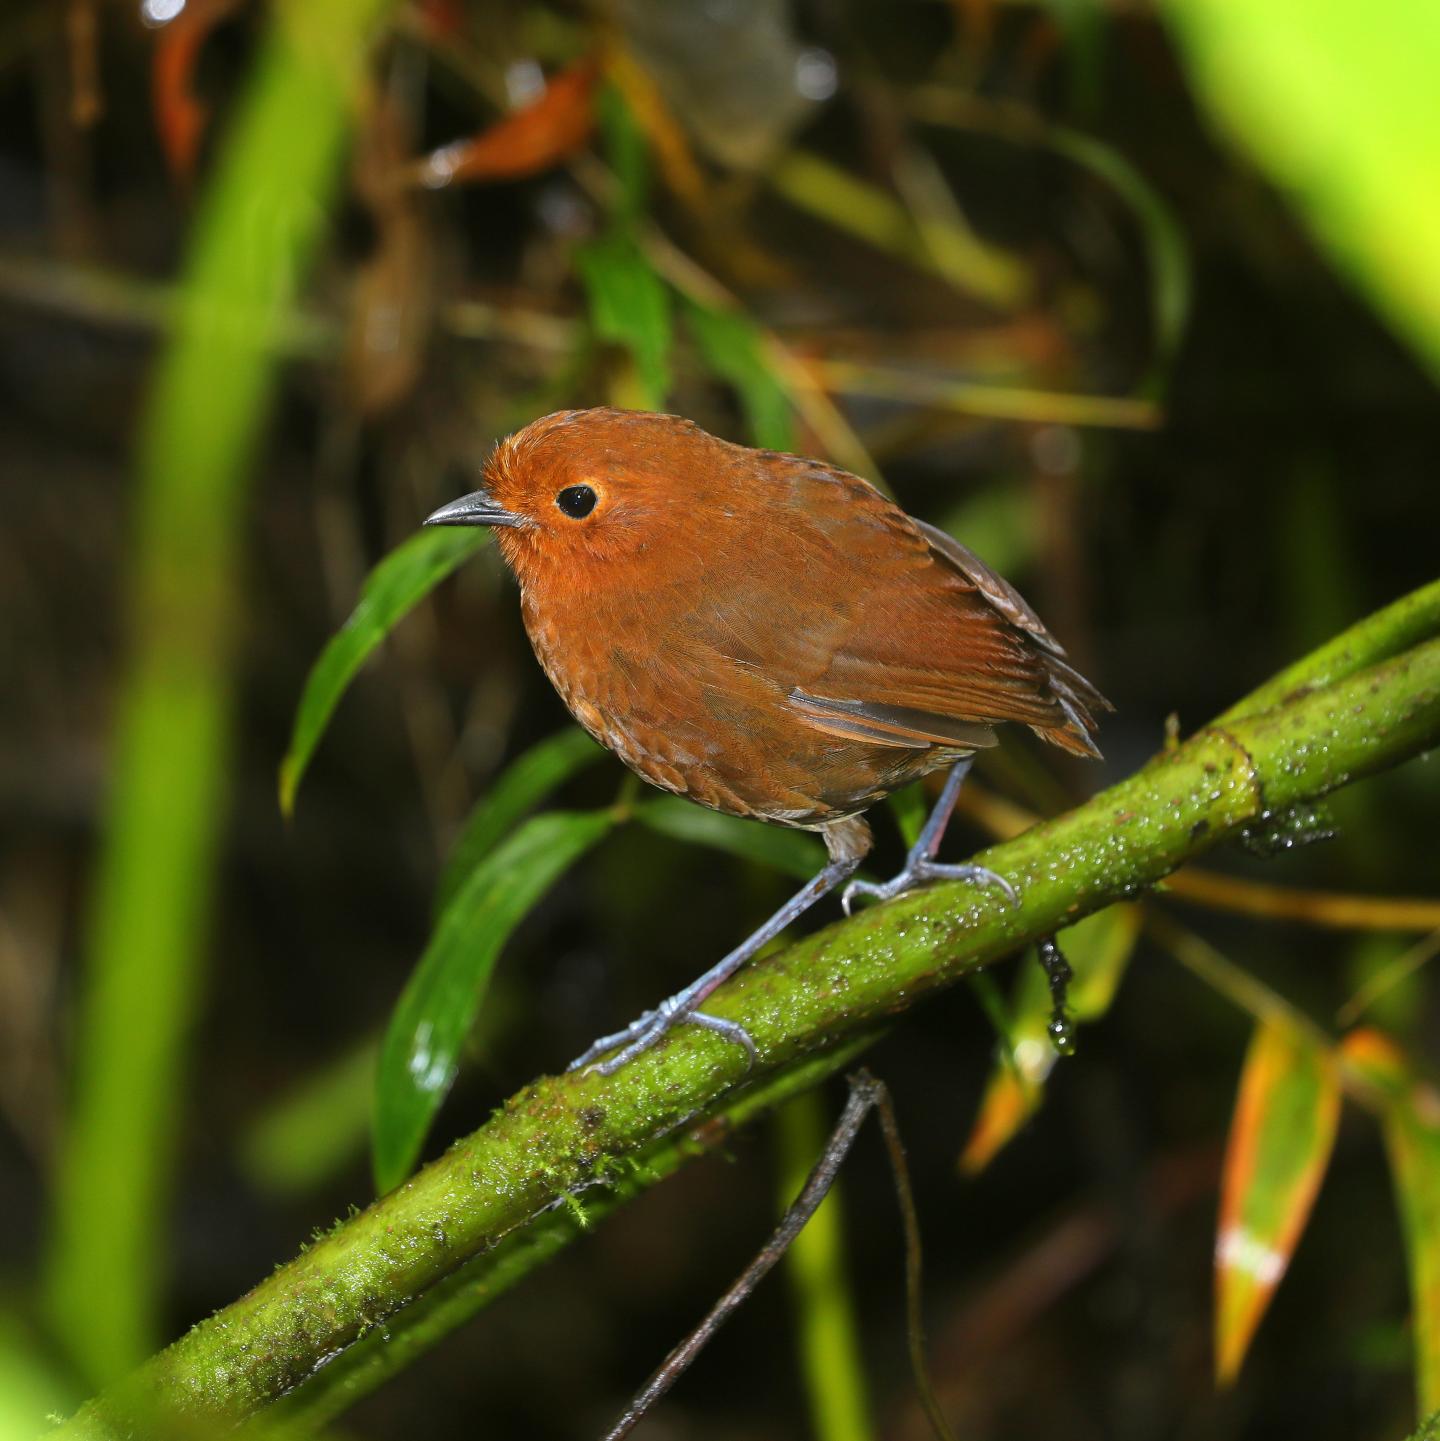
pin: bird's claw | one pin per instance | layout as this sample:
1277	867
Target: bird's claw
641	1034
922	872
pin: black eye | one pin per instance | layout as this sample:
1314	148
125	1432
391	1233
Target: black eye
577	501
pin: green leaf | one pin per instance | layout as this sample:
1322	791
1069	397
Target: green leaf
420	1053
827	1331
733	348
1000	522
796	853
270	196
626	152
1083	25
1412	1142
1098	950
409	573
526	781
835	195
909	808
305	1137
1165	247
630	306
1281	1136
1336	102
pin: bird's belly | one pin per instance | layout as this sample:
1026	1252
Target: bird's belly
743	755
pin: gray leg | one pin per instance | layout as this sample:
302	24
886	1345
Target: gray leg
921	867
640	1035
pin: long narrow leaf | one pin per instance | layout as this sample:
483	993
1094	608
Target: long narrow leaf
827	1338
408	574
793	852
526	781
1098	950
420	1052
1281	1136
1165	245
1336	102
630	306
267	206
732	347
1412	1141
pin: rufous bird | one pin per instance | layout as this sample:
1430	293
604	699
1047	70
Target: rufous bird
766	635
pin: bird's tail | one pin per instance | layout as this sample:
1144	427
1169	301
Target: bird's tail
1080	701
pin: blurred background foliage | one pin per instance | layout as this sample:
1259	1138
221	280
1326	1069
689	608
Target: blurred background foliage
1142	301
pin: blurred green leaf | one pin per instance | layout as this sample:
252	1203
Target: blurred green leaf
629	306
1390	984
405	577
29	1395
999	523
627	152
813	184
1083	25
1098	950
1412	1142
1337	103
1165	247
733	348
525	782
827	1330
1281	1136
265	209
420	1052
908	807
308	1135
795	853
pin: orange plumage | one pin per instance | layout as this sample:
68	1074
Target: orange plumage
763	633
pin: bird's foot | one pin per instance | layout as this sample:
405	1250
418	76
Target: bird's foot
640	1035
922	871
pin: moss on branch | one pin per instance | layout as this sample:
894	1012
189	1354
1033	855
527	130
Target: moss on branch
563	1135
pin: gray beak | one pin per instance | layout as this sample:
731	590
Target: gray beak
475	509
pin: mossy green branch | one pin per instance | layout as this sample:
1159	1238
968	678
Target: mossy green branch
557	1137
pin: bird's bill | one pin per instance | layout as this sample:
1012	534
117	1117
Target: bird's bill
478	508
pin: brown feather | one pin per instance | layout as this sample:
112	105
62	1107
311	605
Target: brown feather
761	632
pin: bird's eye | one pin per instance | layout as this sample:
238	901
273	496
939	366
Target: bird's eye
577	501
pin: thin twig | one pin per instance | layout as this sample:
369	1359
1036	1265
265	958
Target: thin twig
813	1192
866	1094
1405	964
914	1259
998	402
1336	909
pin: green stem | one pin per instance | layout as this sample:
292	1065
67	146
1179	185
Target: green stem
261	222
562	1134
1406	622
385	1352
827	1337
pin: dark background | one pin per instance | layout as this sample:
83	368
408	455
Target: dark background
1290	490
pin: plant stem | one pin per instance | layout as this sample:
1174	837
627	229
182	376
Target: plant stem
145	939
562	1134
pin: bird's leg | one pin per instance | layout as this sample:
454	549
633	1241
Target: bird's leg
921	867
640	1035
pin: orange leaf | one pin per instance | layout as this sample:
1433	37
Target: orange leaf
1281	1137
1098	949
180	117
527	141
442	17
1009	1101
1412	1142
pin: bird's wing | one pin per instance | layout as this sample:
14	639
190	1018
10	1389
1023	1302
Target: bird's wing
898	635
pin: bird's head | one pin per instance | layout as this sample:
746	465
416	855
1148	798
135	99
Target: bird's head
580	490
